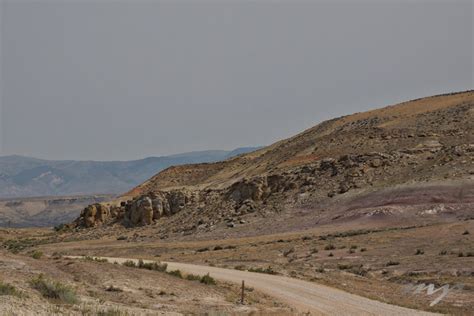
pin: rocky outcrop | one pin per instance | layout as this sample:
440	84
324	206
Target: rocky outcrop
95	215
420	141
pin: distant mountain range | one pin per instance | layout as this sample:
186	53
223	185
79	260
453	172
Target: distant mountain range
28	177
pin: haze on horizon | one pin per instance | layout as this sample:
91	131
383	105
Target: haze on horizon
123	80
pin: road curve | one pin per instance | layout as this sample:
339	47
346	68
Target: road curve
302	295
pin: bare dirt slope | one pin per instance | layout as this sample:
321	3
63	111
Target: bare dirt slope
447	119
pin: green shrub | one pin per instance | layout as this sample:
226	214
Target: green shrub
342	266
419	252
37	254
61	228
95	259
268	270
154	266
207	279
130	264
193	277
392	263
54	290
354	247
329	247
176	273
8	289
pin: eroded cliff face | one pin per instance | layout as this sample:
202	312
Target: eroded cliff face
320	181
424	141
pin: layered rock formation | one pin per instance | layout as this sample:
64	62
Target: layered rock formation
421	141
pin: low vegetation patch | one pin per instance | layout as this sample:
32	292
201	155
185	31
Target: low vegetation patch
342	266
37	254
95	259
176	273
267	270
392	263
54	290
329	247
130	264
205	279
8	289
154	266
419	252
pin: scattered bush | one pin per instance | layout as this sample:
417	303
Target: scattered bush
37	254
268	270
54	290
176	273
130	264
122	238
470	254
218	248
202	249
363	249
466	232
8	289
392	263
359	270
112	312
62	228
208	280
240	267
95	259
342	266
460	254
419	252
330	254
443	252
193	277
329	247
154	266
112	288
354	247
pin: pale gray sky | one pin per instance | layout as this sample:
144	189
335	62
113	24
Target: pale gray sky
128	79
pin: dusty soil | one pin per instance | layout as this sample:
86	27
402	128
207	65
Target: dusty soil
305	297
119	290
374	262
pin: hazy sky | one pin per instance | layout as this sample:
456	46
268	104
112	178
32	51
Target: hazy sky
119	80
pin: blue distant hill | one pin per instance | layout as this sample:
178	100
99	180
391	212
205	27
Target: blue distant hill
26	177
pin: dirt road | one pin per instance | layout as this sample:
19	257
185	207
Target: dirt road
302	295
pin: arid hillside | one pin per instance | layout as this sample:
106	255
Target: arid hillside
438	121
393	163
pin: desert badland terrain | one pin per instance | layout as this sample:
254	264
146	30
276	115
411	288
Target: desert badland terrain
372	204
